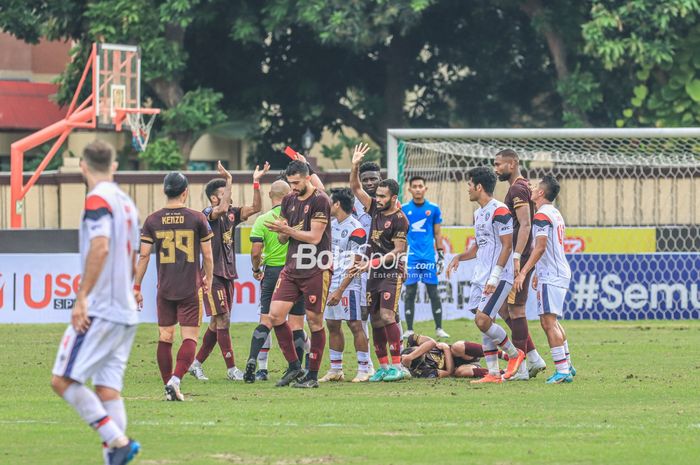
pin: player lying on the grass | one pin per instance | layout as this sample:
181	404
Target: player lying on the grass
493	273
305	224
223	219
268	257
427	358
553	275
522	209
97	343
425	254
179	234
387	241
343	303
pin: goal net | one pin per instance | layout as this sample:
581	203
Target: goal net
630	199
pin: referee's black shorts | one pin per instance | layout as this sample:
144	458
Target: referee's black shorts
267	287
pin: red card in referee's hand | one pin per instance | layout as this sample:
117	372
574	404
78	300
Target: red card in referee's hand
291	153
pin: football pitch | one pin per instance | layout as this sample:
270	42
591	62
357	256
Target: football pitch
635	400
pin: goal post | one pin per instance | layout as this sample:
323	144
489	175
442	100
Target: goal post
630	199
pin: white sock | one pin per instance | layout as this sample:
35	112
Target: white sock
566	351
499	337
174	380
560	361
264	352
91	410
363	361
533	356
116	410
491	355
336	358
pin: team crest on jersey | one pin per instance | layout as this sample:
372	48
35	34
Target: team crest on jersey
428	213
306	209
387	295
487	216
312	299
344	233
387	224
231	217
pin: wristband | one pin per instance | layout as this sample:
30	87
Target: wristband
516	256
376	262
256	185
137	287
495	275
256	271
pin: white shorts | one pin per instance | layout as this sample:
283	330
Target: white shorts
363	290
348	309
550	299
100	354
489	304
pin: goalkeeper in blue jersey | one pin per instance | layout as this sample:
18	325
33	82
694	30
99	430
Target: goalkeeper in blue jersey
425	254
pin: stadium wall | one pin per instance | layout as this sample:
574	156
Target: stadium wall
53	202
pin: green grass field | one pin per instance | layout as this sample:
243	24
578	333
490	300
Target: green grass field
635	400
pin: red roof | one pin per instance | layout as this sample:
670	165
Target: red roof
26	105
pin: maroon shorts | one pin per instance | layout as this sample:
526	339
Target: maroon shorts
219	299
520	298
314	289
383	293
187	312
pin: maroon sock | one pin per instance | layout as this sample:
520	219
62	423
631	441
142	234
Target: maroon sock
164	356
393	334
224	339
530	344
318	343
208	343
520	333
474	350
185	357
379	339
286	341
479	372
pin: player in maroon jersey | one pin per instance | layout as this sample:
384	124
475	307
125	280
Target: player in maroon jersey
387	240
179	234
305	226
522	209
223	219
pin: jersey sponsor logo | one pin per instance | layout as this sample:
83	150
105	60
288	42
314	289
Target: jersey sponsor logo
418	226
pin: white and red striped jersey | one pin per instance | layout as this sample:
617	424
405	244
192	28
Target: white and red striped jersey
110	213
347	238
552	268
491	221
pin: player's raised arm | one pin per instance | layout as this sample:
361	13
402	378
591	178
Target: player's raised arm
225	204
248	210
355	184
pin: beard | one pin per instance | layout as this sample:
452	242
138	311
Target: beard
503	177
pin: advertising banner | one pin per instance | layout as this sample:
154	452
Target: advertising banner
40	288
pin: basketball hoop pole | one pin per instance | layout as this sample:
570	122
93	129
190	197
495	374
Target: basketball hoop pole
81	117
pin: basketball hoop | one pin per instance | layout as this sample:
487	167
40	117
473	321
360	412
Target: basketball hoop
139	125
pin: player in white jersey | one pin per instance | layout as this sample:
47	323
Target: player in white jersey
344	295
493	273
552	274
96	344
